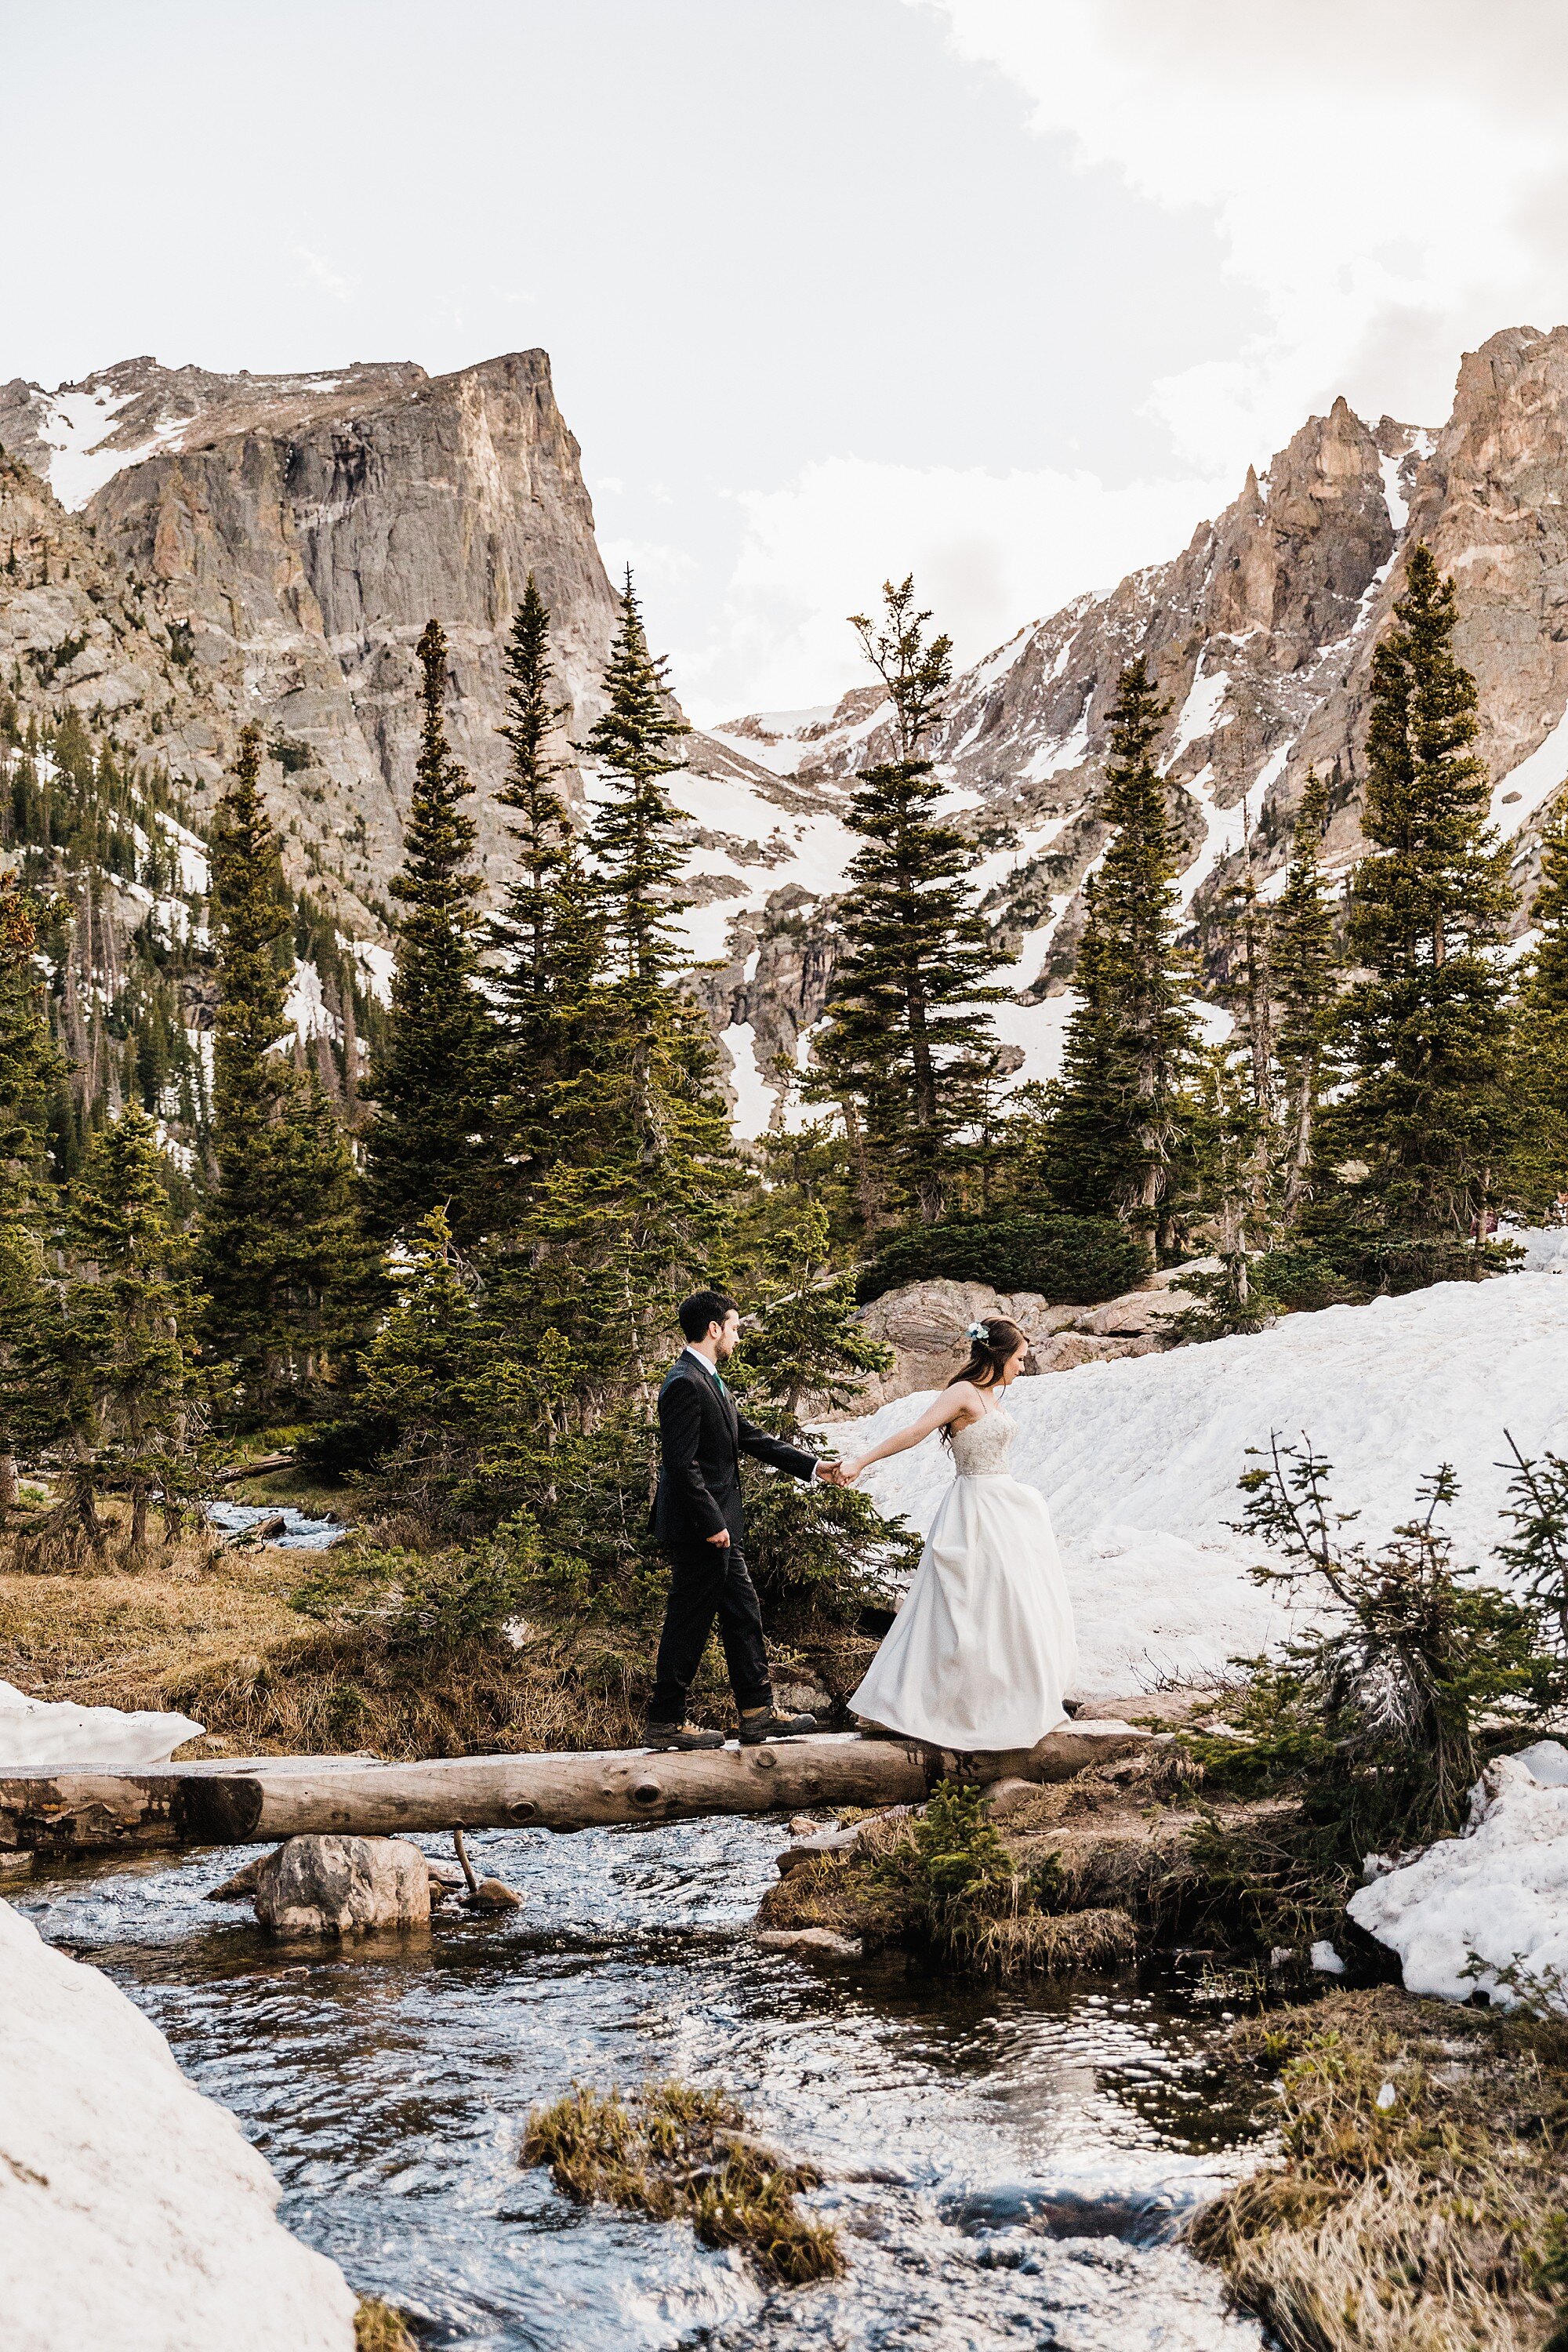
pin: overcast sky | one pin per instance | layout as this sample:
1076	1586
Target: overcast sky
1005	291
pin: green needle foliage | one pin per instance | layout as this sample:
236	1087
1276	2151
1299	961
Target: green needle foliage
1538	1078
907	1051
634	1214
1414	1157
548	933
433	1084
1306	967
1120	1117
31	1068
278	1251
113	1379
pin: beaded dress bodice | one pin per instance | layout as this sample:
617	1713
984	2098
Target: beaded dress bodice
981	1451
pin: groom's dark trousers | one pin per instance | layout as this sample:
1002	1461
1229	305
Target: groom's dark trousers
702	1439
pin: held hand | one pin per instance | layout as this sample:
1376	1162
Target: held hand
722	1539
849	1472
830	1470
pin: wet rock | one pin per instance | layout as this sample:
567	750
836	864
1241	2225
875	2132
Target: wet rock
241	1887
343	1887
821	1940
494	1895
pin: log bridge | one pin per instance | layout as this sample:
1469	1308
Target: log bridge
245	1800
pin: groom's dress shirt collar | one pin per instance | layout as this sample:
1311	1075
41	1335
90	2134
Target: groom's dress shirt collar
711	1369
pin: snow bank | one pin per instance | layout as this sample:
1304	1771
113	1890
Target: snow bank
133	2213
1138	1459
45	1737
1499	1891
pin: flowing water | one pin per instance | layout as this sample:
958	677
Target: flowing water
300	1532
1009	2167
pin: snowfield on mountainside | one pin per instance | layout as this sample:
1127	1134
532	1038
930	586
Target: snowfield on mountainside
1138	1459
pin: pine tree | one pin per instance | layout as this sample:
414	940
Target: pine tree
115	1359
278	1249
547	933
1538	1071
906	1049
1426	1114
633	1217
434	1081
1306	978
1120	1114
31	1068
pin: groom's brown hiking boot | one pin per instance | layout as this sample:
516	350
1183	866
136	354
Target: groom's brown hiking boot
669	1737
765	1722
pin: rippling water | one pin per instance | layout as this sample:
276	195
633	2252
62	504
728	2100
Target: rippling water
1009	2167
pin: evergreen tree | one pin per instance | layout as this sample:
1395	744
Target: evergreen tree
279	1250
635	1216
1538	1073
1426	1114
1120	1114
547	933
434	1081
907	1049
31	1068
110	1358
1306	978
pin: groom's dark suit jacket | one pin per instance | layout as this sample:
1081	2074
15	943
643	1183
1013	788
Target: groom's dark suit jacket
702	1438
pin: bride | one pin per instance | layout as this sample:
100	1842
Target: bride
980	1651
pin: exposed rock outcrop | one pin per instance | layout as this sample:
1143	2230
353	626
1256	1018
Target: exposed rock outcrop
926	1324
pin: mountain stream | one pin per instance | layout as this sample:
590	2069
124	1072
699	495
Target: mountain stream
1010	2167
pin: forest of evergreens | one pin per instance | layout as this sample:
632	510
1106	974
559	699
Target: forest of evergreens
448	1272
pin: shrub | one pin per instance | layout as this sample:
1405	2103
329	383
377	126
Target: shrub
1075	1261
1381	1704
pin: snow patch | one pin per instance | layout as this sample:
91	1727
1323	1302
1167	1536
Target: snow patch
1529	786
134	2212
53	1736
1200	714
1399	505
1499	1892
753	1095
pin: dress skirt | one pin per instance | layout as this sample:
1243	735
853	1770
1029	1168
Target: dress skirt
980	1651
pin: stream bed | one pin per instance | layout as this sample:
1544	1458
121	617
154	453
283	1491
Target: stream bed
1009	2167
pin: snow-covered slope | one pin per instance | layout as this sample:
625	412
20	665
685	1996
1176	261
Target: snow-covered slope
1138	1459
134	2216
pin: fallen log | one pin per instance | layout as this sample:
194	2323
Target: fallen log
220	1803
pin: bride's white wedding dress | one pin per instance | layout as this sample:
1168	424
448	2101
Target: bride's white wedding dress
983	1646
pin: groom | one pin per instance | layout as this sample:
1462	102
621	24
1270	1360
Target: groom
698	1520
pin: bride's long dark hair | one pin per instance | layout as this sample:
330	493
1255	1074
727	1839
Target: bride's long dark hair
990	1345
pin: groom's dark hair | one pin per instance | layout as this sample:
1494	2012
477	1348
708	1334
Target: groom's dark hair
705	1307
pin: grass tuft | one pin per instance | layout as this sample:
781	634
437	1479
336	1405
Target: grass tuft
678	2153
1420	2203
381	2328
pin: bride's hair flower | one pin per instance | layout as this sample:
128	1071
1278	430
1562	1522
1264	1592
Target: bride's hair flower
979	1331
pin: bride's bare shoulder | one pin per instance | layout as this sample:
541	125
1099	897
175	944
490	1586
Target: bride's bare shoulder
965	1397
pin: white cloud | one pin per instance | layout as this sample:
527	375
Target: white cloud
989	552
1386	179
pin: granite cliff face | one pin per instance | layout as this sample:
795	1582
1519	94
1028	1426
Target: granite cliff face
299	531
1260	633
247	546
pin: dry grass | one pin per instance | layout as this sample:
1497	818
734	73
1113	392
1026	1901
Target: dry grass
210	1632
1431	2223
1052	1943
678	2153
381	2328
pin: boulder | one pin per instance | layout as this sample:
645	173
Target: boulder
343	1887
926	1324
1138	1314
